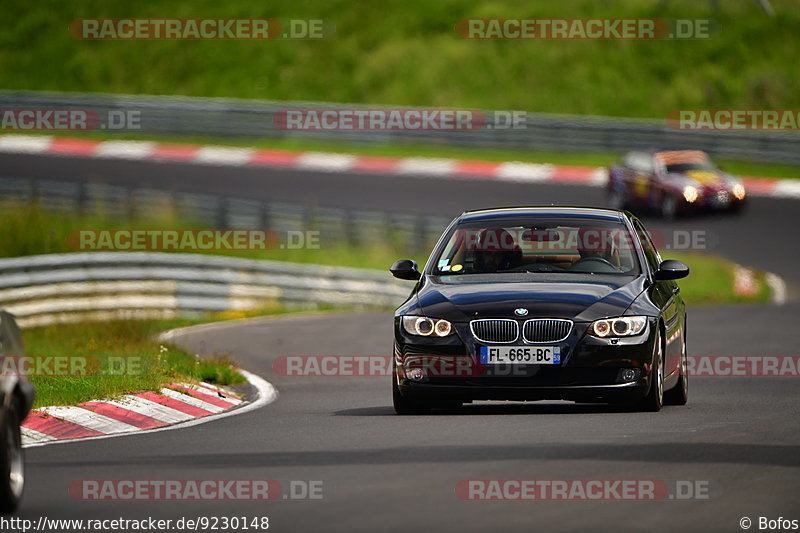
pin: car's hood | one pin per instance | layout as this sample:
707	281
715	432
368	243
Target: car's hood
705	179
577	300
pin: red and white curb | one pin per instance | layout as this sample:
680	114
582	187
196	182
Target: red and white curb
333	162
174	406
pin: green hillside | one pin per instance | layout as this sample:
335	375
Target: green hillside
407	52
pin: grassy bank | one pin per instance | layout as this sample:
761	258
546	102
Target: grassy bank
407	53
712	279
112	358
30	230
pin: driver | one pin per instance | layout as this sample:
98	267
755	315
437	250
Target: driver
595	244
496	250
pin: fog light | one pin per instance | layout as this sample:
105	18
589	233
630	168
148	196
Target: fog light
628	374
415	374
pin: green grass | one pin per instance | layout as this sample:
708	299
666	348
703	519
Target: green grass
141	363
711	280
407	53
30	230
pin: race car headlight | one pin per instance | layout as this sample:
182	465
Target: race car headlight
624	326
690	193
426	327
739	192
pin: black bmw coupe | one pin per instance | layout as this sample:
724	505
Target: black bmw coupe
541	303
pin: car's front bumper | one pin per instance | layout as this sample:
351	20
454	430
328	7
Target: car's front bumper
590	369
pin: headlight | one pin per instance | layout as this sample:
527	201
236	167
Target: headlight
426	327
624	326
739	192
690	193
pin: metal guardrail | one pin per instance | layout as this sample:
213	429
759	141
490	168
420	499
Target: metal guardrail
336	226
58	288
228	117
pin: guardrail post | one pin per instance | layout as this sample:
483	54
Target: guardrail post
222	213
264	215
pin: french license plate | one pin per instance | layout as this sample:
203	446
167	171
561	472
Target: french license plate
721	199
520	355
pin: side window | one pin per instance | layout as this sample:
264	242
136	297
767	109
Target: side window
650	252
629	160
639	162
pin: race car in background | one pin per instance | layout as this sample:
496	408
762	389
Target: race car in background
673	183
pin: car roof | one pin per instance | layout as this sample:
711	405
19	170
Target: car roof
548	211
682	156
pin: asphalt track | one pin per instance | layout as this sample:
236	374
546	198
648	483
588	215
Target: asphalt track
382	472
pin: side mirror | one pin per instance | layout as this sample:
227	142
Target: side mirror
671	269
405	269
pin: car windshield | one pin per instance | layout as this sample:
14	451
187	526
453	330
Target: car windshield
685	167
577	246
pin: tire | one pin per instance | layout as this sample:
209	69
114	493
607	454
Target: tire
669	206
679	394
655	396
617	199
737	210
12	462
406	406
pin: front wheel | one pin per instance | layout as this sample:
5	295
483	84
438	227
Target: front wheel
12	464
669	206
617	199
655	396
406	406
679	395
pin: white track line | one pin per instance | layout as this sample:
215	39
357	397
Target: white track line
33	436
88	419
426	166
222	155
125	149
327	162
524	172
191	400
209	389
24	144
786	189
778	288
150	408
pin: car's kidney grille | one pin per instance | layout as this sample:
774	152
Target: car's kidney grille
546	330
495	330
